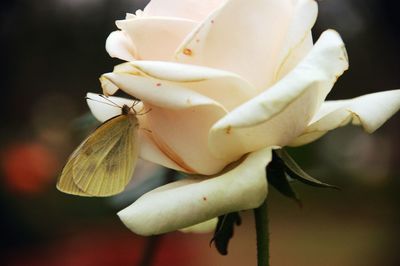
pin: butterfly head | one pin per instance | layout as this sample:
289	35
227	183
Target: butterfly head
125	109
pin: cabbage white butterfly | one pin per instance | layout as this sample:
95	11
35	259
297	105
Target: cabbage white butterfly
104	162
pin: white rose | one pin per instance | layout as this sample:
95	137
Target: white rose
227	79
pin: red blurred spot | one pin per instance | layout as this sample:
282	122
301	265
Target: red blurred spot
28	167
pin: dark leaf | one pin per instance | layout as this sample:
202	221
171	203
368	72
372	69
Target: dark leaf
278	179
224	231
294	171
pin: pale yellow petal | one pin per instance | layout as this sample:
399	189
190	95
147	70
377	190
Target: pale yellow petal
369	111
194	200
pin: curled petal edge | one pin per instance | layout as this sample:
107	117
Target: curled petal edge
119	45
369	111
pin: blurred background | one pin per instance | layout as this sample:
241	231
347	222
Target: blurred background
53	53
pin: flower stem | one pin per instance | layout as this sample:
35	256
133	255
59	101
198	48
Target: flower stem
150	251
261	219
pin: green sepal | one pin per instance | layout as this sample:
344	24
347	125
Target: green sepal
277	178
295	171
224	231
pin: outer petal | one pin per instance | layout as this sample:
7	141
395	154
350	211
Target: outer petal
135	82
370	111
190	9
213	83
237	39
156	37
179	118
119	45
194	200
281	113
103	110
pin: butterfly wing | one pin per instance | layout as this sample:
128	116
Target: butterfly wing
104	163
66	182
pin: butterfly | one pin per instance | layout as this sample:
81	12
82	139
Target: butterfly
104	162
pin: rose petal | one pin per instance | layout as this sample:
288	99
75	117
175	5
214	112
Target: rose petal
240	40
104	109
370	111
134	82
156	37
201	228
175	130
119	45
194	200
190	9
213	83
149	151
281	113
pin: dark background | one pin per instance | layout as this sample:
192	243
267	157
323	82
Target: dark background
52	53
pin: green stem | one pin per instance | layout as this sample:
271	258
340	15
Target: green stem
150	250
261	218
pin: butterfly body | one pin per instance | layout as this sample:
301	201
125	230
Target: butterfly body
103	163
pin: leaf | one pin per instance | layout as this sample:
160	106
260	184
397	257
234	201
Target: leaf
278	179
224	231
295	171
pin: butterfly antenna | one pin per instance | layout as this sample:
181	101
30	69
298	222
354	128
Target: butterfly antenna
107	99
135	102
113	104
